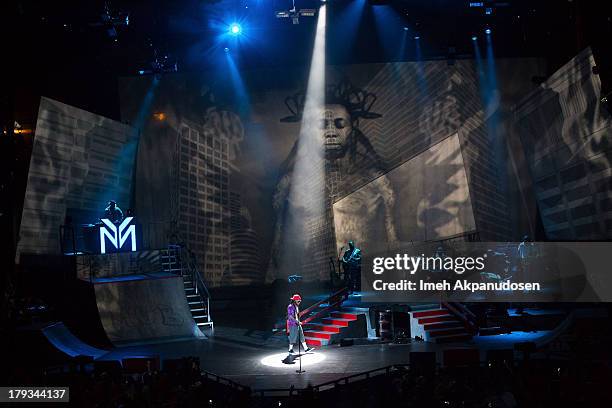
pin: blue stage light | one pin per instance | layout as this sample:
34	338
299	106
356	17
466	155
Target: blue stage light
417	37
141	72
405	28
235	29
488	31
226	49
474	38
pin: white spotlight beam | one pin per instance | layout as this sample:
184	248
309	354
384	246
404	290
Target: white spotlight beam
306	204
315	94
308	184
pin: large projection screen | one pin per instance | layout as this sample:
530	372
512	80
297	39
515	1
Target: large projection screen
426	198
80	160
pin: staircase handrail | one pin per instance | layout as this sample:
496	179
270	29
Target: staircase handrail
194	272
324	311
463	314
466	310
327	299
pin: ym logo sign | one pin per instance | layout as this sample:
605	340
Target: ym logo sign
117	236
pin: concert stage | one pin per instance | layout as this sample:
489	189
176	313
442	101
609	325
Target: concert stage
251	360
152	312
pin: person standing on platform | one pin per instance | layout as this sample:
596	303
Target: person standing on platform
523	255
351	262
523	268
294	326
113	212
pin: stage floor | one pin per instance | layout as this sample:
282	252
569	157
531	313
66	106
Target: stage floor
255	361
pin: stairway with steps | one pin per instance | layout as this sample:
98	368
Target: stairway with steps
175	260
198	305
347	322
438	325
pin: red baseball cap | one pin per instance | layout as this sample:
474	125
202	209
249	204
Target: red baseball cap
296	297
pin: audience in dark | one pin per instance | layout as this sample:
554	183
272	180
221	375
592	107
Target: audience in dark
532	383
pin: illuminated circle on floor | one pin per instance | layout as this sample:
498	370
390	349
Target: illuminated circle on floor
276	360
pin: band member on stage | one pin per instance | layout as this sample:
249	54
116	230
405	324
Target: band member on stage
523	252
351	263
113	212
294	326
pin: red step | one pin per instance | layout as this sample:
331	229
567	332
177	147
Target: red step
438	319
343	315
430	313
318	334
336	321
311	341
323	327
443	325
447	332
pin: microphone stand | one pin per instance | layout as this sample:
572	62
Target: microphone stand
300	371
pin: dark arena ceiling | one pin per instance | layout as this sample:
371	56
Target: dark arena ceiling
59	45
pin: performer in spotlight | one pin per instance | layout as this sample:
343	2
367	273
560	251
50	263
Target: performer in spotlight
294	326
113	212
351	263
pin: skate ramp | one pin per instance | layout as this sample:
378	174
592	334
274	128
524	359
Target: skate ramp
148	309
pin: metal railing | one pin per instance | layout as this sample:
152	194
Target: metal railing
222	380
464	314
188	258
335	277
333	301
365	375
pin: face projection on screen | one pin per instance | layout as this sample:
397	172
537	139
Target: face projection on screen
350	160
337	128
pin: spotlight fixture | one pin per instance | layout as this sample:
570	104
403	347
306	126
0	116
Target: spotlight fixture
487	31
235	29
110	20
417	37
295	14
405	28
160	64
226	49
474	38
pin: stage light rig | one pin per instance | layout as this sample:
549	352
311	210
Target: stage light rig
295	14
